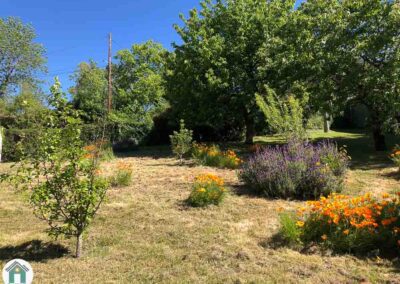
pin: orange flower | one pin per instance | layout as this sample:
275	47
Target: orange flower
346	232
324	237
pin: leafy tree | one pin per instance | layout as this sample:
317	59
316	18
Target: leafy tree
89	92
181	141
60	174
347	52
283	117
20	56
213	75
139	90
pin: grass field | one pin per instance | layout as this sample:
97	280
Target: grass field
144	233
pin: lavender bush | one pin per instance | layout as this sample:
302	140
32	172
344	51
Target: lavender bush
298	170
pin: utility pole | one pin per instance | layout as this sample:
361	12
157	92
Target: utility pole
109	100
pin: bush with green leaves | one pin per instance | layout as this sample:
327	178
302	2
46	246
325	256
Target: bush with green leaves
181	142
60	175
213	156
123	175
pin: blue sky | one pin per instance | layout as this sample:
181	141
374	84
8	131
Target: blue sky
73	31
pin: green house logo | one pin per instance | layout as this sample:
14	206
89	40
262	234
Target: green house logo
17	271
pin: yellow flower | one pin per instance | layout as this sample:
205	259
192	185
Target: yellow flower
201	189
300	224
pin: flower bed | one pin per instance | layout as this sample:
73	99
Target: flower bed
213	156
296	170
347	224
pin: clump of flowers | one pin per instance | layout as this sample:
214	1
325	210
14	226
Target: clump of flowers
213	156
207	189
349	224
297	170
100	149
122	176
395	156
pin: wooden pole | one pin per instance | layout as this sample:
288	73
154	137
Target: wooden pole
109	100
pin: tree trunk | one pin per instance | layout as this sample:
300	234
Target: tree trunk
327	123
379	139
1	141
79	244
250	130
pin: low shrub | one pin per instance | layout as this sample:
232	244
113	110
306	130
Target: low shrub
123	175
181	142
207	189
348	224
102	149
395	156
212	156
296	170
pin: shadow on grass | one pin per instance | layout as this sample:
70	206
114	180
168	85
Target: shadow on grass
155	152
34	250
394	175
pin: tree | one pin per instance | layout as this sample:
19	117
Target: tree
20	56
181	142
348	52
283	116
89	92
60	175
213	75
139	90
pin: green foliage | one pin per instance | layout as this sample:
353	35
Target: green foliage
289	231
315	122
89	92
395	156
140	89
282	116
123	176
60	174
213	75
212	156
181	142
347	52
20	56
207	189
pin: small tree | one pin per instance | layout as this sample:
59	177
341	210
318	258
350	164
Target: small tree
61	175
284	116
181	141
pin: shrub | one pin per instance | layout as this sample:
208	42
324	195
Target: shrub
296	170
395	156
100	148
181	141
213	156
207	189
123	175
350	224
57	173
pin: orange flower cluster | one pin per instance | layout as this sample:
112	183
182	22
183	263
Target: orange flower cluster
213	156
123	166
90	151
353	213
208	179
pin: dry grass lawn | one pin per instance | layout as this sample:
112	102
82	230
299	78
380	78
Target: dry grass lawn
145	234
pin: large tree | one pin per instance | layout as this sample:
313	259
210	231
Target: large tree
348	51
139	92
89	92
20	56
214	74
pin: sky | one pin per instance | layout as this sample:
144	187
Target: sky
73	31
